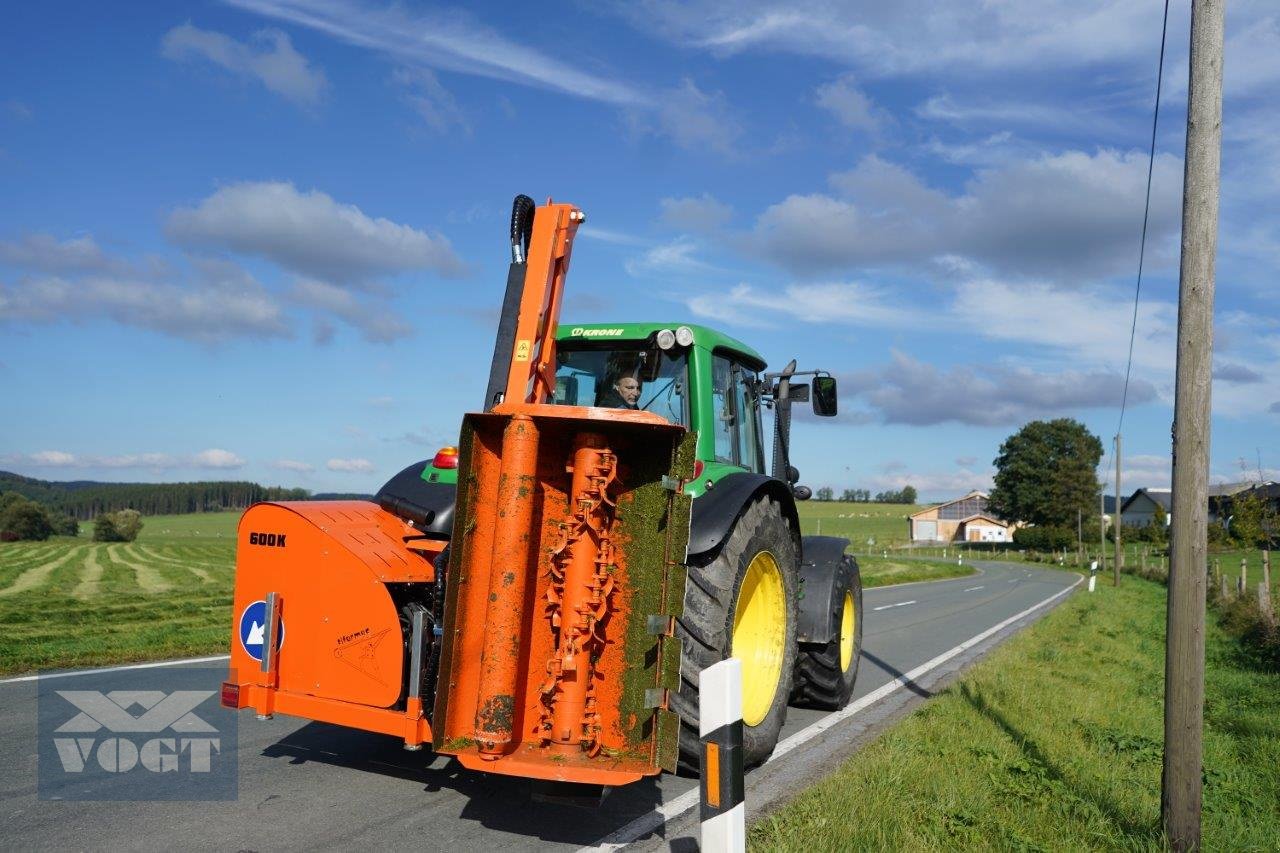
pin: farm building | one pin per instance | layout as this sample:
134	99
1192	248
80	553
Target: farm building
1139	509
965	519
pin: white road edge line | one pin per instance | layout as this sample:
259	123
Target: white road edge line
899	604
209	659
686	801
972	588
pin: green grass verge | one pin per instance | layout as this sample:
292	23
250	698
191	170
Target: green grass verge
881	571
1054	743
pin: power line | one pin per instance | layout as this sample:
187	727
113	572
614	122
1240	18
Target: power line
1146	213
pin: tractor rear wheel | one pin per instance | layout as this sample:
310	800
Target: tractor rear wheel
742	603
825	672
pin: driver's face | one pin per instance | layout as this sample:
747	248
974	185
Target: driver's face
628	388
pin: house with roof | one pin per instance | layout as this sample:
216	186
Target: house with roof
965	519
1139	509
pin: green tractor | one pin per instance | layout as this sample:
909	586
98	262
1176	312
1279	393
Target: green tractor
788	606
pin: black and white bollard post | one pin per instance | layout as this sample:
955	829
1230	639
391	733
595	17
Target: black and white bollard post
724	812
1093	575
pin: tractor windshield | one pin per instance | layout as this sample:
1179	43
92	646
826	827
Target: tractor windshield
613	376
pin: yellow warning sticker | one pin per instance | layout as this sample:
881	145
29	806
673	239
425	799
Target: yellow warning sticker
522	350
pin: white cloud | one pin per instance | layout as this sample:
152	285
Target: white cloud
1092	324
376	324
932	484
217	458
310	233
350	466
698	214
433	103
268	57
452	40
205	309
850	105
914	36
1237	373
853	303
212	458
53	458
695	119
293	465
449	40
616	238
909	391
1067	217
675	258
49	254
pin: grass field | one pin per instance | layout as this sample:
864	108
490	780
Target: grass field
858	522
67	602
1054	743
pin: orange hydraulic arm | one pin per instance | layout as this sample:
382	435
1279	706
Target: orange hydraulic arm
523	369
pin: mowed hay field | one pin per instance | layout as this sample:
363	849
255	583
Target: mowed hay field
72	601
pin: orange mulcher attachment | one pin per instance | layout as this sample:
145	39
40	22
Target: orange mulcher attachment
566	574
564	580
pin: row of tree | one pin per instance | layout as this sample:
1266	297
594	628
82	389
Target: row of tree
87	500
907	495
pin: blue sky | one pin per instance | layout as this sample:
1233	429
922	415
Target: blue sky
264	239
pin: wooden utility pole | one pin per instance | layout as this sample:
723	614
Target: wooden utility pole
1118	562
1180	797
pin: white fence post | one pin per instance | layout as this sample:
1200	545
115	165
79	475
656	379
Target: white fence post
724	812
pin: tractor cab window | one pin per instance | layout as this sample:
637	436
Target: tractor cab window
736	405
610	376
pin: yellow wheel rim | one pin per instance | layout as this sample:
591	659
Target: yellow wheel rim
846	633
760	635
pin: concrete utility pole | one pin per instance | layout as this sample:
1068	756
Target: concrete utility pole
1102	528
1118	563
1180	797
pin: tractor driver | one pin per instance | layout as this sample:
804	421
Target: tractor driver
624	394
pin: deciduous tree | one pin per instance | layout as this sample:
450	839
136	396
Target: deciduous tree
1045	474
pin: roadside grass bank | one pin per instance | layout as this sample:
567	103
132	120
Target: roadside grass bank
1054	742
881	571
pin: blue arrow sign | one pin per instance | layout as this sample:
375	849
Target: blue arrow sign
253	630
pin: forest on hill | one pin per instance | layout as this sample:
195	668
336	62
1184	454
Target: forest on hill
85	499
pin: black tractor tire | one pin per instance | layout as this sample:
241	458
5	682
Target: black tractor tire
820	680
706	627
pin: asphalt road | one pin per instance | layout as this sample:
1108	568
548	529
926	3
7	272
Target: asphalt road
317	786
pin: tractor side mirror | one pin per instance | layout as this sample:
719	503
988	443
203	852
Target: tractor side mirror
793	474
803	493
824	396
799	392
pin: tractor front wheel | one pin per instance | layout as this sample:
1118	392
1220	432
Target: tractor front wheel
742	604
825	672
